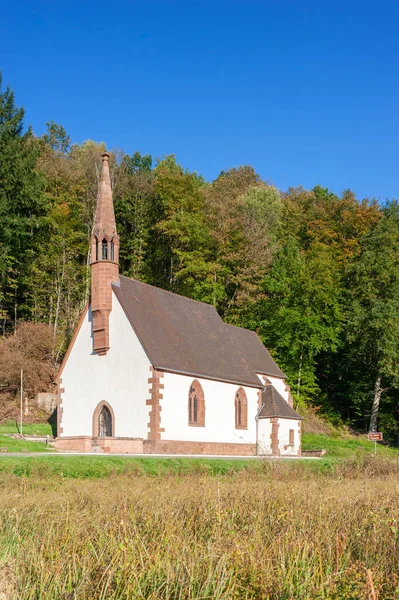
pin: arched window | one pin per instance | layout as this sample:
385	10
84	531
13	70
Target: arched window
241	409
105	422
104	249
97	249
112	251
196	405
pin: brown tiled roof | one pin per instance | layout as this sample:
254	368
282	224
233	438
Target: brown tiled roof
181	335
274	405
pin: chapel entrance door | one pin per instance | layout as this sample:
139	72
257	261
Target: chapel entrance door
105	423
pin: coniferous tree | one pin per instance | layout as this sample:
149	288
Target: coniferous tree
22	207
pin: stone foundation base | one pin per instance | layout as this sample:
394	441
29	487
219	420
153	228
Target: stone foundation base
317	453
109	445
118	445
211	448
73	443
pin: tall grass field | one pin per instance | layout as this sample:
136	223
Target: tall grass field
271	531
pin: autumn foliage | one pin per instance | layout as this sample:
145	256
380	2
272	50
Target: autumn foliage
29	349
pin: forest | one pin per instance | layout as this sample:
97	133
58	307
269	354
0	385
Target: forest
313	272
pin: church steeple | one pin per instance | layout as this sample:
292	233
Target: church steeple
104	260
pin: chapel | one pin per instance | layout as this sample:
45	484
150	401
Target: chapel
151	372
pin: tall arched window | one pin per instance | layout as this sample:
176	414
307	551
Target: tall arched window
105	422
196	405
97	257
112	251
241	409
104	249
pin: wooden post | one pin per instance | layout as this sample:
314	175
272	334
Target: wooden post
20	425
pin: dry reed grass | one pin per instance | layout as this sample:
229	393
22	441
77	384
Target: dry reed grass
247	535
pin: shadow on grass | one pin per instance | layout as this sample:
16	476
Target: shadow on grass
52	421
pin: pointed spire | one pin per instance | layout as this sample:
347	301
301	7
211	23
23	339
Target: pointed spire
104	222
104	261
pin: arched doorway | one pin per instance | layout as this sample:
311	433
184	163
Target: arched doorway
103	420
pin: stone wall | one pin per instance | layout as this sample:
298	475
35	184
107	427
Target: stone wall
73	444
46	401
209	448
118	445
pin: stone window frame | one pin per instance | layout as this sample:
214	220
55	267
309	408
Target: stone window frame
291	437
196	392
96	416
241	409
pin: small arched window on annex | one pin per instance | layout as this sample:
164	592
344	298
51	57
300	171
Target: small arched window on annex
104	249
196	405
103	420
241	409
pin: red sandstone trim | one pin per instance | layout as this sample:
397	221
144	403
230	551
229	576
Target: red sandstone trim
184	447
300	438
96	415
199	392
274	436
108	445
154	424
241	395
60	410
73	443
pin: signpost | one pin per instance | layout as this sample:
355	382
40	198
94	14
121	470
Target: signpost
375	436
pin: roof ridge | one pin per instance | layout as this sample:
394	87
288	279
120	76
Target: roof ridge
172	293
187	336
241	328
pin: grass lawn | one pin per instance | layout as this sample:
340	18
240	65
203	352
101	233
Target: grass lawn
342	459
11	426
19	445
8	444
345	446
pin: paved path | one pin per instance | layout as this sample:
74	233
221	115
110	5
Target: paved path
106	455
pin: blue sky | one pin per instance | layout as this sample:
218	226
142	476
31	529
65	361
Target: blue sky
305	91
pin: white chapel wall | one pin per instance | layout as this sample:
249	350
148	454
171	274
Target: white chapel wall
278	383
120	377
219	411
284	436
264	439
285	425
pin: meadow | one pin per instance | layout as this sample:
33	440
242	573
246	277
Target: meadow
267	530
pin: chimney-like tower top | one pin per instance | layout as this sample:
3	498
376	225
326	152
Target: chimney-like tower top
104	260
104	222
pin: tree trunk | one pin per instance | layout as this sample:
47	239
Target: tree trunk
376	404
59	286
298	385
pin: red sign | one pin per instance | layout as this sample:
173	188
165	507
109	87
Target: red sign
375	436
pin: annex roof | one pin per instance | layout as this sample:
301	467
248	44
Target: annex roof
274	405
185	336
